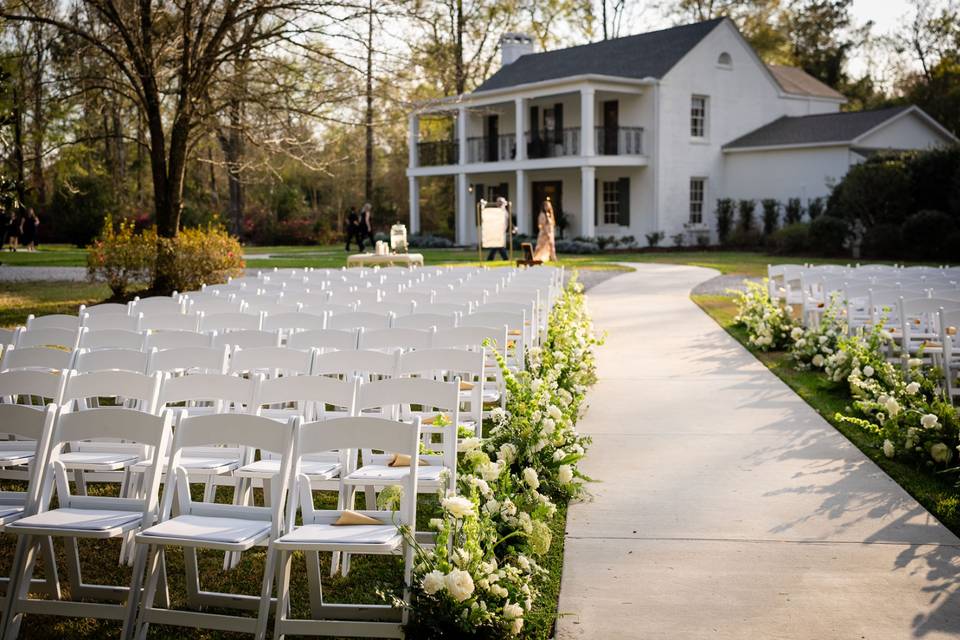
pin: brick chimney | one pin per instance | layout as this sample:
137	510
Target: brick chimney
514	45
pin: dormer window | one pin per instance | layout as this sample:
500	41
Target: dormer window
725	61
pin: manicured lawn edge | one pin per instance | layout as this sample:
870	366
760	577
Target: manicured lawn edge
938	494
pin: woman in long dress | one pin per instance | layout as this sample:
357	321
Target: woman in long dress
546	222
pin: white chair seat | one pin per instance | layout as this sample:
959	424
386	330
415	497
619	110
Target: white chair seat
313	469
208	532
210	465
317	537
488	395
384	474
9	513
11	458
99	460
96	523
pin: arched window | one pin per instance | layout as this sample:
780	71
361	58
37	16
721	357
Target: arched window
725	60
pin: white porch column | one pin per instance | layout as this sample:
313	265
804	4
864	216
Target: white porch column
413	139
520	109
464	205
589	202
462	135
520	204
587	135
414	205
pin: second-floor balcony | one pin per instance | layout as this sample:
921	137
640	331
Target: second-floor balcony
553	143
619	141
437	153
492	148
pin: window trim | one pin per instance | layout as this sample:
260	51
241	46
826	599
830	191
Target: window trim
725	65
703	180
705	117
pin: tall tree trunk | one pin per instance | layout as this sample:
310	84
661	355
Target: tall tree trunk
18	161
461	78
231	143
39	122
140	194
603	4
368	175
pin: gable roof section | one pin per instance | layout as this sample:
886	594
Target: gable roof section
820	129
647	55
798	82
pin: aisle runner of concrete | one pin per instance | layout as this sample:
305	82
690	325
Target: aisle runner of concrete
726	507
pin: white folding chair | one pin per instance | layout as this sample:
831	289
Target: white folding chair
171	322
395	339
64	338
110	360
293	322
53	321
208	525
31	387
111	308
111	321
271	361
157	305
319	532
247	339
210	305
478	385
82	516
112	339
427	320
949	321
189	360
177	339
36	358
325	340
223	322
359	320
367	365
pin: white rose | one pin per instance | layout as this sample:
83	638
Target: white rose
912	388
458	506
796	333
516	626
508	452
531	478
554	412
459	584
892	406
929	421
914	362
432	582
512	611
817	361
489	471
469	444
801	343
888	449
565	474
940	453
868	371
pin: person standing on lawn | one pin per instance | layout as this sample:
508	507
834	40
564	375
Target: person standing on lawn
29	230
14	227
353	229
366	223
508	221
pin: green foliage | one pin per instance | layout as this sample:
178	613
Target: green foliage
653	239
768	324
123	257
78	208
746	210
874	192
828	235
815	208
771	215
930	235
882	241
724	218
793	239
793	211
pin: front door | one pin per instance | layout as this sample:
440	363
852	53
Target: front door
493	134
611	124
541	191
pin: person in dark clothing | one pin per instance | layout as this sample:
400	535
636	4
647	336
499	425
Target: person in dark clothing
29	230
354	232
366	223
13	230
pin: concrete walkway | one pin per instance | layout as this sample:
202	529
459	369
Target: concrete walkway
726	507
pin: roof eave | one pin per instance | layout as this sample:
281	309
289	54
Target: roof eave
914	109
787	146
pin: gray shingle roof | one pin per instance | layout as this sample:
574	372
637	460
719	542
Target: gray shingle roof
815	129
647	55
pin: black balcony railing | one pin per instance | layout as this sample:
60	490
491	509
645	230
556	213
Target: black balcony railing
435	153
619	141
548	143
492	148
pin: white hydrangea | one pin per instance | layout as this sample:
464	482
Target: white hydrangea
888	448
468	444
531	478
912	388
432	582
929	421
459	584
458	506
565	474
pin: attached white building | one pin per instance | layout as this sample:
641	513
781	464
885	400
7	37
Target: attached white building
644	133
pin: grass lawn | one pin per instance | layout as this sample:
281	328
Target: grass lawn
19	299
938	494
333	256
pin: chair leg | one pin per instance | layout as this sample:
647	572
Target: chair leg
266	591
154	569
24	560
192	576
134	595
312	559
283	594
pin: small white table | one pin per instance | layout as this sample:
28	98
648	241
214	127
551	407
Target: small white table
390	259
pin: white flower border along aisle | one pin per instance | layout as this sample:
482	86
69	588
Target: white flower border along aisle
479	580
903	406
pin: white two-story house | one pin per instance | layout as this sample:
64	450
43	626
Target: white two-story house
642	134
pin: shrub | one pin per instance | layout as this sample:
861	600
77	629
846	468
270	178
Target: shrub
925	235
679	239
793	211
653	239
724	219
123	257
578	246
429	242
606	241
750	239
746	209
874	192
882	241
792	239
828	235
120	257
771	215
77	209
935	179
815	208
768	324
204	255
296	231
